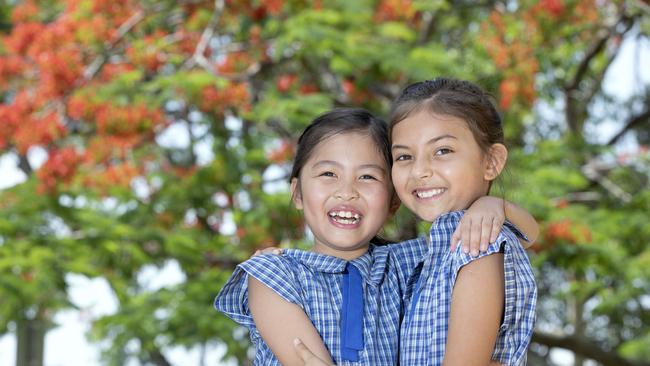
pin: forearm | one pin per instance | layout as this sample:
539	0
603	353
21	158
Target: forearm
522	220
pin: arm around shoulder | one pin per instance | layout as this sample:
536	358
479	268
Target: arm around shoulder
523	220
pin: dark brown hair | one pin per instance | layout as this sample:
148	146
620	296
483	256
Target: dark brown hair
338	121
452	97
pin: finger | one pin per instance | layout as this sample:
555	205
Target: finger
465	235
475	237
486	231
455	238
303	352
496	228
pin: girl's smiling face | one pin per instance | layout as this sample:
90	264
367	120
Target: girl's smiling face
345	192
438	167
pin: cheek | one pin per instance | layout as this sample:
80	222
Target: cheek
399	180
313	195
378	195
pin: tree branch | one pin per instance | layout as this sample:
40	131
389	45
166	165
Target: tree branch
326	81
24	165
199	53
593	172
158	358
631	123
591	53
428	28
94	67
279	128
598	79
576	105
585	347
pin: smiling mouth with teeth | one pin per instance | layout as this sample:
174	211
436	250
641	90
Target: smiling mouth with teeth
428	193
345	217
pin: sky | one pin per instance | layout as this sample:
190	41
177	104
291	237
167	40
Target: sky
66	344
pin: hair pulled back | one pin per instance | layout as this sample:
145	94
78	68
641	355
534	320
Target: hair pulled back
338	121
452	97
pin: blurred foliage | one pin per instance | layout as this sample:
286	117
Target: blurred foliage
168	129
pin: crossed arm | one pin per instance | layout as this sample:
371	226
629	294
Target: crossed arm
280	322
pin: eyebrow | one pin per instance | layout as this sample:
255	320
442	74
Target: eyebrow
363	166
433	140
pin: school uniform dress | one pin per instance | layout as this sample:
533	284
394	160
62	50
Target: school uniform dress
355	305
429	290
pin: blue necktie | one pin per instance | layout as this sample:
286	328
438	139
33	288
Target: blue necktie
352	314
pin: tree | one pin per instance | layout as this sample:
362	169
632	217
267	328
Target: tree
168	128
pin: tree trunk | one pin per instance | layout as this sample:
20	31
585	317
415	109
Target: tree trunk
30	341
579	323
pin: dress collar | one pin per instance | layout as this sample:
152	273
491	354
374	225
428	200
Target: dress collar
371	264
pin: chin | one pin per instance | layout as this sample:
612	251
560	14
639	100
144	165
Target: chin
428	215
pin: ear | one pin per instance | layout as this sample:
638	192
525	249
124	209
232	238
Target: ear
495	162
296	196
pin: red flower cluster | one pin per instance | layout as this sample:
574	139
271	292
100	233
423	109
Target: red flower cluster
553	7
24	126
285	82
218	100
114	175
60	167
39	131
564	231
357	95
148	53
514	56
24	12
256	10
283	153
393	10
235	63
513	50
22	37
124	121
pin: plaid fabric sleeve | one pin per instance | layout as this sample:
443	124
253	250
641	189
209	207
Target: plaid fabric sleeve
406	256
520	296
274	271
515	230
461	259
508	237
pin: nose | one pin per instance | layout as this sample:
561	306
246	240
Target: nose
422	168
347	191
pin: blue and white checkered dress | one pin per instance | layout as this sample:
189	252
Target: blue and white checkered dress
428	297
313	281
